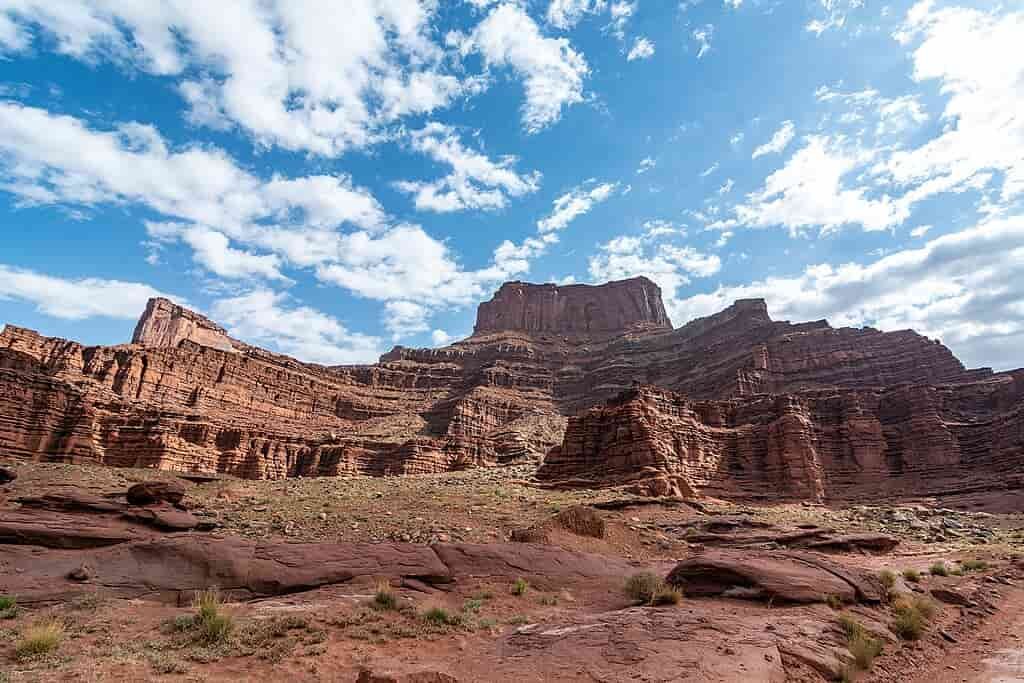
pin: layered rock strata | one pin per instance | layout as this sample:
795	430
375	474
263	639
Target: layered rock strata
185	396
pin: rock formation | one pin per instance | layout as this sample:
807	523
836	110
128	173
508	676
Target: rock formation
762	408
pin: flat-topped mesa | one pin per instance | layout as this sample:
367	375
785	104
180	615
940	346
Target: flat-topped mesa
166	324
574	309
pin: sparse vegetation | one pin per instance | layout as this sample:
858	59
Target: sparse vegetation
439	616
8	607
974	565
912	615
211	623
384	598
641	587
472	606
39	639
834	601
520	587
548	600
648	589
888	579
939	569
912	575
862	645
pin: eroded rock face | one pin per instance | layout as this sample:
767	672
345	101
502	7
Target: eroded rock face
821	444
574	309
771	407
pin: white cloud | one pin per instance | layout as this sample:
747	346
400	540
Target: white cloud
921	230
808	192
780	140
578	201
661	228
734	4
404	318
565	14
475	182
963	288
976	58
552	71
737	139
709	170
441	338
646	164
668	265
213	251
642	49
270	319
316	76
702	36
727	186
621	12
834	15
76	299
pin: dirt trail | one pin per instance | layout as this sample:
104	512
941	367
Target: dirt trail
994	654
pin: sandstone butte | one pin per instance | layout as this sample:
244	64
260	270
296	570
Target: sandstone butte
592	382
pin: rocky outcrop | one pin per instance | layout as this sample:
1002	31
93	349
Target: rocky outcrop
771	408
165	323
574	309
814	445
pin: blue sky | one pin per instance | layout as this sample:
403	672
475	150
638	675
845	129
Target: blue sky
329	179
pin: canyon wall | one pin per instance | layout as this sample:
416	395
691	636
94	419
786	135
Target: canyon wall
759	406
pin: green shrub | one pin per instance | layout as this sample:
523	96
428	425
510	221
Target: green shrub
939	569
912	575
384	598
8	607
39	639
439	616
549	600
473	605
834	601
888	579
974	565
520	587
213	626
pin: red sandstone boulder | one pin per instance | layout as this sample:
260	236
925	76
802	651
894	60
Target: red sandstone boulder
764	575
151	492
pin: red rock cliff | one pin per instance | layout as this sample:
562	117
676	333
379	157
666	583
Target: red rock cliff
574	309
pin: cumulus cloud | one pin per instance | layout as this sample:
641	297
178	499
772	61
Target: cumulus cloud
551	70
574	203
316	76
962	288
475	181
642	49
76	299
670	266
565	14
271	319
780	140
646	164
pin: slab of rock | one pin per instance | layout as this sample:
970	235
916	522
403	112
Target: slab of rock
151	492
766	575
870	542
70	500
164	517
61	530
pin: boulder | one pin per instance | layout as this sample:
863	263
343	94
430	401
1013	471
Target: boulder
150	492
765	575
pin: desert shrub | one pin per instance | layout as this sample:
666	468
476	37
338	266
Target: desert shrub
384	598
520	587
939	569
549	600
666	595
439	616
8	607
912	575
888	578
862	645
974	565
642	587
912	615
834	601
473	605
212	624
39	639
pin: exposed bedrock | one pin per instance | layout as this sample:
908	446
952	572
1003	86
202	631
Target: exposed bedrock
770	408
823	444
